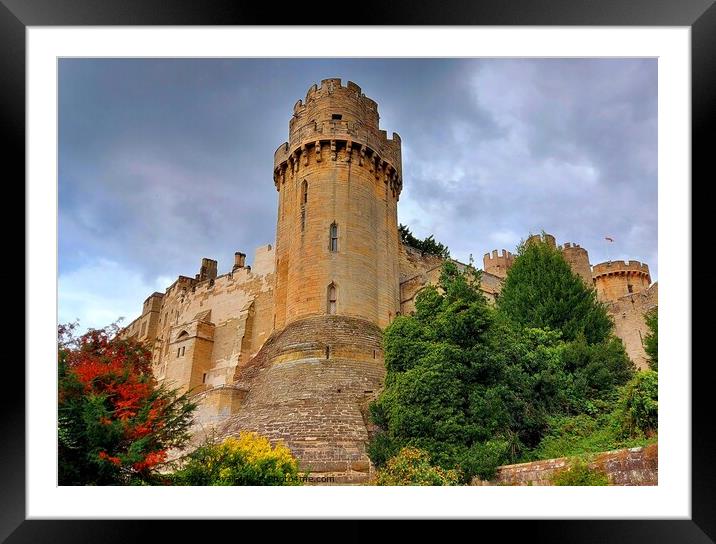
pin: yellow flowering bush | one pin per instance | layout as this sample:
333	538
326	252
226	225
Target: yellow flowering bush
247	460
412	467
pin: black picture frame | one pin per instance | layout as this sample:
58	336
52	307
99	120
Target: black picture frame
699	15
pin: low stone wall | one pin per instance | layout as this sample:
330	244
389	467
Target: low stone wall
633	466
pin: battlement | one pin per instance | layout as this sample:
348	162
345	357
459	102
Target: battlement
337	118
542	238
620	267
496	263
570	245
495	256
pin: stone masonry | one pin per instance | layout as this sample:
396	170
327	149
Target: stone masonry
291	345
629	467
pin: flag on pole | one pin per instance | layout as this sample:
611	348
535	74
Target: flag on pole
608	239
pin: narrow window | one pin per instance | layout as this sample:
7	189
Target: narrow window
336	117
630	287
332	298
203	378
304	201
178	352
328	352
333	246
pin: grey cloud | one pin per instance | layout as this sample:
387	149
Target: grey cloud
165	161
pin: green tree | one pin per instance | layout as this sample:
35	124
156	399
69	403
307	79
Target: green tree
115	424
427	245
651	340
463	383
541	291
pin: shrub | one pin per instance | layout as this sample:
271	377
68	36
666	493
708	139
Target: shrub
381	448
638	407
580	474
412	467
427	245
651	340
483	458
247	460
115	424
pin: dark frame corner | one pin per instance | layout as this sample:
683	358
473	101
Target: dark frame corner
699	15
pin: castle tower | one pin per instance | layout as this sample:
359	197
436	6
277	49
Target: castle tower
338	179
578	260
497	264
545	238
615	279
336	285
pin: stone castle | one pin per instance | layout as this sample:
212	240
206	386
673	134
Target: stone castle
290	347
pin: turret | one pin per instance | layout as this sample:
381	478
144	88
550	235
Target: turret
339	180
498	264
578	260
545	238
615	279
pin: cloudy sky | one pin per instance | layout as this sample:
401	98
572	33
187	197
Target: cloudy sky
165	161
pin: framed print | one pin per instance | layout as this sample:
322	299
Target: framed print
359	363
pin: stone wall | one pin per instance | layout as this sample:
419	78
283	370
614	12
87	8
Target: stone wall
629	467
237	307
628	313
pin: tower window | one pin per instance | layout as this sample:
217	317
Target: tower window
333	246
203	378
336	117
332	299
630	287
304	200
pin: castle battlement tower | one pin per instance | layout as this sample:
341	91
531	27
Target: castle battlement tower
614	279
339	180
578	259
497	264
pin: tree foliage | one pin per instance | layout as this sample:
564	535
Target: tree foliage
638	407
115	423
651	340
474	389
427	245
247	460
541	291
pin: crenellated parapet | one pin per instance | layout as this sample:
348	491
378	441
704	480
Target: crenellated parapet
542	238
621	268
337	123
615	279
498	264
